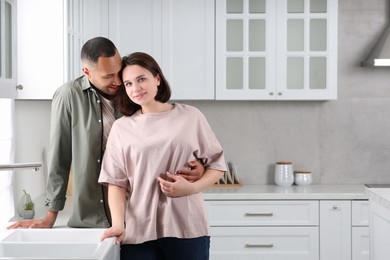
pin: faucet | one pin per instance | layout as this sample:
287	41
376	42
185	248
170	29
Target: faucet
34	166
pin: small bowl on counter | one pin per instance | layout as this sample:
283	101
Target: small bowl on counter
303	178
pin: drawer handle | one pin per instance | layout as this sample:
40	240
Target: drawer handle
259	245
259	214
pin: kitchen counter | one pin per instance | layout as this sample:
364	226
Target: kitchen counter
273	192
246	192
40	212
379	195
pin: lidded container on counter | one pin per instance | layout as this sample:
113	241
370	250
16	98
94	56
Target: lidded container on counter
303	178
284	175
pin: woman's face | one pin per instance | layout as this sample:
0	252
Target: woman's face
140	84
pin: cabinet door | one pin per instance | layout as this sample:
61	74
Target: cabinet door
283	49
85	19
188	48
245	49
40	33
379	230
135	25
335	230
179	34
307	49
8	76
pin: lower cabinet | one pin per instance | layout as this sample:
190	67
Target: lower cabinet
379	230
360	230
335	230
291	229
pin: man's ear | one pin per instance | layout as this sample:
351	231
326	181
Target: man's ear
86	71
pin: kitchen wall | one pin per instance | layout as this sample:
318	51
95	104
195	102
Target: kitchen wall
342	141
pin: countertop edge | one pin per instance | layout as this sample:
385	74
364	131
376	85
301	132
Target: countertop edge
273	192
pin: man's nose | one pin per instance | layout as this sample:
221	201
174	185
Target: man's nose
117	81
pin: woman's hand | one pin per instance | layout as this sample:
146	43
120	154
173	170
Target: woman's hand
118	232
176	186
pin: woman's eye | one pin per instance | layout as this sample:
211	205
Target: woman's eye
127	84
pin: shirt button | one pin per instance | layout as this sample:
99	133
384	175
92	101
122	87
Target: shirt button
98	101
100	120
98	160
101	201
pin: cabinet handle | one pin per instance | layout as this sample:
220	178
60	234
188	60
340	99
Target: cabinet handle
335	207
271	93
270	214
19	87
280	93
259	245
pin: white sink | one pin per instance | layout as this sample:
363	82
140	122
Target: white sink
33	244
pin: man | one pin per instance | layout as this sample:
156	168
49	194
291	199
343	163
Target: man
82	114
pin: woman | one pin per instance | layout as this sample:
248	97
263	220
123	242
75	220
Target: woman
155	213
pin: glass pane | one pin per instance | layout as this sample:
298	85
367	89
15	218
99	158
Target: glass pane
257	6
257	73
8	40
234	35
317	73
234	6
295	73
234	73
295	6
295	35
318	6
318	34
256	35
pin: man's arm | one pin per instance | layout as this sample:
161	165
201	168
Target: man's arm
177	186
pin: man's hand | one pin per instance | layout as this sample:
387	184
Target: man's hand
195	173
47	222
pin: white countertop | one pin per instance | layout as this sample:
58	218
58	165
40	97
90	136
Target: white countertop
40	212
273	192
380	196
246	192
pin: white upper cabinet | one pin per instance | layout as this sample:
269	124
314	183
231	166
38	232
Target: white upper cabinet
84	20
284	49
40	51
179	34
8	62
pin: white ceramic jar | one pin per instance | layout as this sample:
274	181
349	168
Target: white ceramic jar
284	175
303	178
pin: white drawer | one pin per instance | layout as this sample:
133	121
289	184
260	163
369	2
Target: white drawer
360	243
266	243
360	213
262	213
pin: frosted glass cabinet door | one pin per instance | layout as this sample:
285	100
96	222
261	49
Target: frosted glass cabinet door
307	49
280	49
245	49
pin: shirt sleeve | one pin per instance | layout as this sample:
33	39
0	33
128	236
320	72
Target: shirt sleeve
114	164
210	150
60	150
